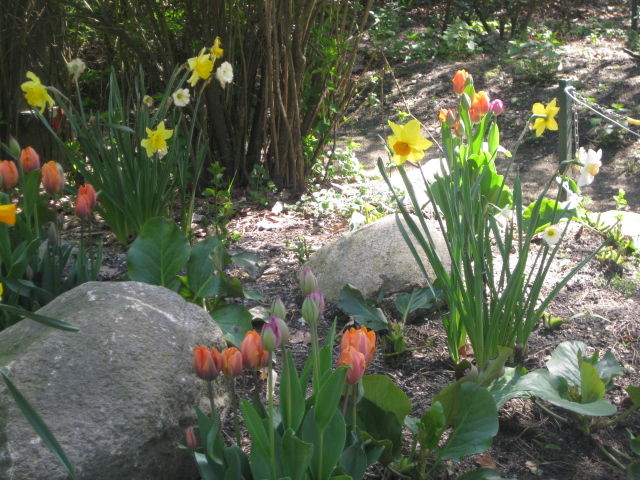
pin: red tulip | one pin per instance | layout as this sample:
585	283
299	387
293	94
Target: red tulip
90	192
52	178
352	357
9	173
204	364
82	206
254	356
29	160
231	362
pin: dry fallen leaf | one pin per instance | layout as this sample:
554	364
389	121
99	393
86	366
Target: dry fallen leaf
533	467
300	337
485	461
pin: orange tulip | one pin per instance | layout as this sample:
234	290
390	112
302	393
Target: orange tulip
231	362
9	173
480	106
362	340
217	359
82	206
52	178
29	160
460	81
203	364
192	441
356	361
254	356
90	192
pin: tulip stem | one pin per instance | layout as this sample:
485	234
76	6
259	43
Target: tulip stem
272	441
213	408
354	418
316	357
234	405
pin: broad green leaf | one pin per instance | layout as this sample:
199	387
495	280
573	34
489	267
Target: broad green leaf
495	368
380	390
419	298
432	426
328	398
200	267
237	464
256	428
555	390
634	393
38	425
633	471
475	423
591	386
634	443
354	461
608	368
382	426
158	254
296	456
506	387
291	395
329	444
353	303
250	263
234	321
564	361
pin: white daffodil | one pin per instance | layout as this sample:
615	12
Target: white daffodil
572	202
504	216
551	235
591	163
76	67
147	100
224	73
181	97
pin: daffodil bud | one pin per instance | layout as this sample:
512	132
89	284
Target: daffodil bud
310	311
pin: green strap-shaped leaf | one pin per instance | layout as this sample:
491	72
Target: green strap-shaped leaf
296	456
43	319
38	425
291	396
256	428
328	398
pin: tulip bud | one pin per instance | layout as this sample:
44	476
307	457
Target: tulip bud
52	178
192	441
8	174
459	129
497	107
460	81
52	239
350	356
271	335
203	364
254	356
284	329
465	102
82	206
308	282
14	146
231	362
451	118
469	80
277	308
310	311
318	299
90	192
29	160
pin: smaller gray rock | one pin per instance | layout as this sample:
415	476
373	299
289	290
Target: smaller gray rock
373	256
118	395
630	223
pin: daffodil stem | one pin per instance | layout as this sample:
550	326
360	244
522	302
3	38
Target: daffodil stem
272	436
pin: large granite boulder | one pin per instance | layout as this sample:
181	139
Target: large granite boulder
118	395
371	257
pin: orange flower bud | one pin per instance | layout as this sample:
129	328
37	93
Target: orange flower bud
29	160
52	178
352	357
254	356
9	173
442	116
90	192
82	206
192	441
231	362
203	364
460	81
480	106
363	340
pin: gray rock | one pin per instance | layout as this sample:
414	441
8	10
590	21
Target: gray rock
373	256
118	395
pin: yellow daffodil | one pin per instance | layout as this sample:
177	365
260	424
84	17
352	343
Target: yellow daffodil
406	142
8	214
201	67
157	139
36	93
216	50
542	123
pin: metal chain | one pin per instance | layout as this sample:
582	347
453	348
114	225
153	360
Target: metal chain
603	112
